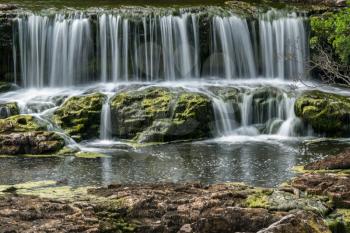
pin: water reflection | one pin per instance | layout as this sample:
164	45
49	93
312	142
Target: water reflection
261	163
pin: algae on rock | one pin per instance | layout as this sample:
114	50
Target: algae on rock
8	109
327	113
21	123
157	114
80	116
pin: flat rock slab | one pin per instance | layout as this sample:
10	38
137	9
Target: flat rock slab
151	208
340	161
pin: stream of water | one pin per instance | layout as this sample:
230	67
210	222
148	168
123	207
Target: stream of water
258	140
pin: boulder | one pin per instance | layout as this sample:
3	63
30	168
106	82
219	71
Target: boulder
21	123
157	114
335	186
36	142
8	109
340	161
299	222
7	7
327	113
80	116
5	87
25	134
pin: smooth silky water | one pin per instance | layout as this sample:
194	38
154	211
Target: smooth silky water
256	141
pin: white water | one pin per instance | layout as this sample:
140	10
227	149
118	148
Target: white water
106	121
63	50
223	117
269	116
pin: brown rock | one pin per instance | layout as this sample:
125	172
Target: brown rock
299	222
7	7
36	142
335	186
341	161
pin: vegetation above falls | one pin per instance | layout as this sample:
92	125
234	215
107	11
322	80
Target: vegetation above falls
330	44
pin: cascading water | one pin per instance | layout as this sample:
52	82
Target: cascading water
258	110
71	49
64	50
223	113
106	121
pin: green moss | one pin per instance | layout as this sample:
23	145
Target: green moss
80	116
66	151
156	102
331	30
8	109
339	221
188	105
301	170
90	155
259	199
325	112
116	225
20	123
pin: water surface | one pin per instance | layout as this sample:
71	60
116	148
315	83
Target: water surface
258	161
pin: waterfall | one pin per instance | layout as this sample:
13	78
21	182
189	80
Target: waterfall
259	110
282	45
223	117
106	122
70	49
235	48
54	51
75	48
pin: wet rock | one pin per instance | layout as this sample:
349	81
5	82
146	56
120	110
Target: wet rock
335	186
7	7
8	109
37	142
168	208
80	116
339	221
213	208
327	113
33	214
299	222
134	111
5	87
341	161
158	114
330	3
245	8
21	123
284	201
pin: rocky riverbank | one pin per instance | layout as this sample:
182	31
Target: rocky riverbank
313	202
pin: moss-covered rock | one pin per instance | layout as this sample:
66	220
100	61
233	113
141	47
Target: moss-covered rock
339	221
36	142
80	116
157	114
327	113
20	123
25	134
5	86
8	109
134	111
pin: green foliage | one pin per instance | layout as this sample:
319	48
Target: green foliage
333	30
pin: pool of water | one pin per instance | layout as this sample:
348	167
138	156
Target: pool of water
261	161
